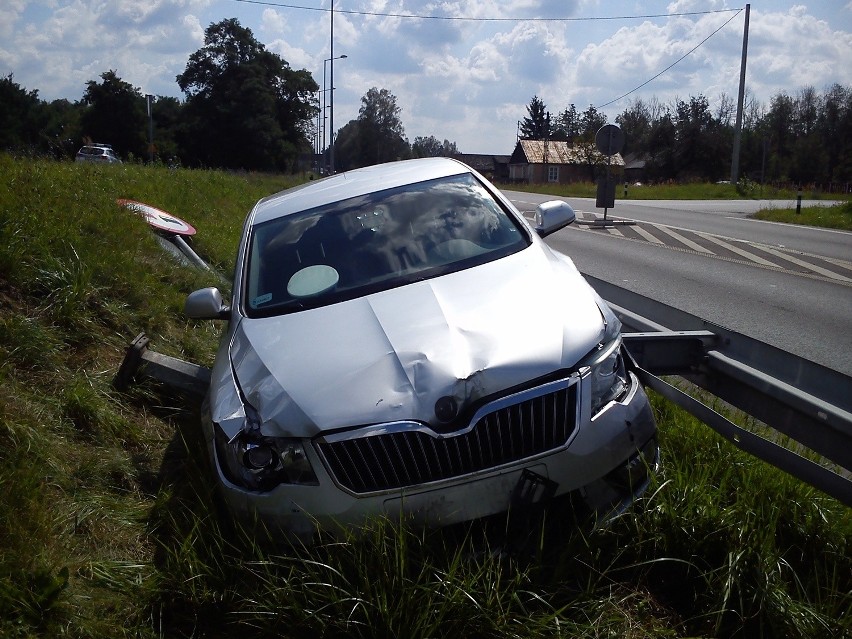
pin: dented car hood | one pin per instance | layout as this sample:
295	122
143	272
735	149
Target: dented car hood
390	356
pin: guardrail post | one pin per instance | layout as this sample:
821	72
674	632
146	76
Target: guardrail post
140	363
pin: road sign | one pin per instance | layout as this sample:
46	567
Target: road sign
605	198
157	218
609	139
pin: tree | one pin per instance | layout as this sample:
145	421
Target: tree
430	147
778	125
754	143
377	135
20	116
245	106
567	124
115	114
61	132
591	121
726	111
347	146
167	115
635	121
536	126
701	142
835	128
807	109
662	138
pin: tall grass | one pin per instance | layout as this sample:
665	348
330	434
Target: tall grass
109	524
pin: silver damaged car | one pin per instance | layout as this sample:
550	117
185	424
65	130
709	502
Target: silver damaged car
401	341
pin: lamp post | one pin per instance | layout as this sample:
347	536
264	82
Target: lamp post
317	133
321	126
330	91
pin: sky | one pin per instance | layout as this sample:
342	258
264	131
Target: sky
461	70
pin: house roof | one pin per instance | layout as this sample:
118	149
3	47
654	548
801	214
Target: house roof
635	161
480	162
561	152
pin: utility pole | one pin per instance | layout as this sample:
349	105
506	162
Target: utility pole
148	98
331	111
738	130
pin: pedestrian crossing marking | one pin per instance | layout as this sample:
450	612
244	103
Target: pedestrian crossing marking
643	232
683	240
648	236
807	265
735	249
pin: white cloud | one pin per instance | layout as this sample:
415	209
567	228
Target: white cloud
194	30
462	80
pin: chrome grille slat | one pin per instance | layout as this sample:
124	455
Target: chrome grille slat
369	460
400	446
393	470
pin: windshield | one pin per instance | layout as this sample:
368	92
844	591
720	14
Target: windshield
375	242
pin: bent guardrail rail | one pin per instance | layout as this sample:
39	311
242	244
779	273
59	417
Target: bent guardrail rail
807	402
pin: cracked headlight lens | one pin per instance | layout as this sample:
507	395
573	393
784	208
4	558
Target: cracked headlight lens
609	375
257	462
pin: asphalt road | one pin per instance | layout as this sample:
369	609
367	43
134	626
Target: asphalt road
786	285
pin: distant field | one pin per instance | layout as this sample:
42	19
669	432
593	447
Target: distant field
692	191
109	528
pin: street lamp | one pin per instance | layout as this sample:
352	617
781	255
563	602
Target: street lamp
330	90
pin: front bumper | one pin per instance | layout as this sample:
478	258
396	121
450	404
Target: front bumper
607	463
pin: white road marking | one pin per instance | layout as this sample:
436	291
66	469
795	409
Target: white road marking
820	229
735	249
647	235
682	239
838	262
807	265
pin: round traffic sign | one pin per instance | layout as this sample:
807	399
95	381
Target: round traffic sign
609	139
157	218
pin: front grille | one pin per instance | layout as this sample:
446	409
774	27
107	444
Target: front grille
504	431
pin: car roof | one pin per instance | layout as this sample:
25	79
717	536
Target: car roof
349	184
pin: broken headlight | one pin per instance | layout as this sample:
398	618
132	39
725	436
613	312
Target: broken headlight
609	375
257	462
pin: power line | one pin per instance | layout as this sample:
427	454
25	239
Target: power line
601	106
379	14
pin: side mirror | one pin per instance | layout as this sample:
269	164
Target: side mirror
206	303
552	216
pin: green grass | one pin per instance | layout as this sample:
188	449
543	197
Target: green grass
109	526
687	191
838	216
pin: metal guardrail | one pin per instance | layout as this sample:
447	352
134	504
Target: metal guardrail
807	402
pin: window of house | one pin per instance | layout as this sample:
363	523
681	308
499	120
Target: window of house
553	174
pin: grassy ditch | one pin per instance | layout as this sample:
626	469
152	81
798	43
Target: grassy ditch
108	523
